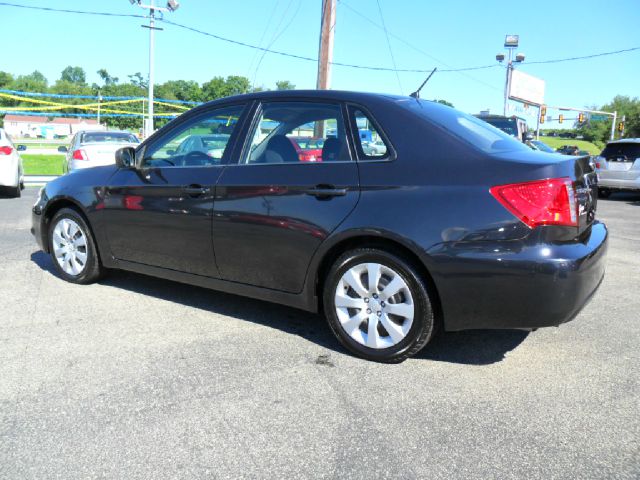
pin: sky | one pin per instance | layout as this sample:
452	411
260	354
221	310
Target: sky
423	34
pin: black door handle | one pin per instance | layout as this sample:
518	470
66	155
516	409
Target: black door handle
195	190
326	191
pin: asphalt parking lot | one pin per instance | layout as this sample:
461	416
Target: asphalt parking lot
137	377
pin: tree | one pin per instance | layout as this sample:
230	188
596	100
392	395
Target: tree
106	78
218	87
74	75
138	80
444	102
34	82
5	79
185	90
285	85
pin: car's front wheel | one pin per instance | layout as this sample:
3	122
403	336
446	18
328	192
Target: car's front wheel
378	306
72	247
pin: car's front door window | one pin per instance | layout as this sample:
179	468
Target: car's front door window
199	143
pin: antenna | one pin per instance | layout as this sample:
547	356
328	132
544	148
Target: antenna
416	94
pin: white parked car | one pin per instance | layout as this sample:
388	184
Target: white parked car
11	171
92	149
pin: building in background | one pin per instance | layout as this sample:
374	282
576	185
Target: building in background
25	126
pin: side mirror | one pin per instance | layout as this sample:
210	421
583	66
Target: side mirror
171	152
126	157
63	149
21	148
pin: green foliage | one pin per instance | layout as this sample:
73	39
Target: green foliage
444	102
599	131
107	79
34	82
285	85
73	82
5	79
74	75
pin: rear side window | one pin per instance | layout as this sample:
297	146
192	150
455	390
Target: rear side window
370	142
615	150
298	132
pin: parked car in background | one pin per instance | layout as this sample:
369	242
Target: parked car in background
456	226
618	166
568	150
11	170
541	146
309	149
93	148
374	148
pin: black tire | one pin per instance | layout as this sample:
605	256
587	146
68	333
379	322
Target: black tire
604	193
92	269
13	192
423	327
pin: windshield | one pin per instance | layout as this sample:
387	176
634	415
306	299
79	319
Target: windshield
109	137
467	127
629	150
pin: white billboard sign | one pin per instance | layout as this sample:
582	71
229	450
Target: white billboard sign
526	88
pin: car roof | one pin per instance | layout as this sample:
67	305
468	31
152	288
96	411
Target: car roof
625	140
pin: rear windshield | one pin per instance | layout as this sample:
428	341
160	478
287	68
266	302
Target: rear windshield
468	128
109	137
629	150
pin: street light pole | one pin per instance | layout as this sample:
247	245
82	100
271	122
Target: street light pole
510	43
507	82
152	41
172	6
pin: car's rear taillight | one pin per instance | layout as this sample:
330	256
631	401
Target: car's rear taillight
6	150
79	155
542	202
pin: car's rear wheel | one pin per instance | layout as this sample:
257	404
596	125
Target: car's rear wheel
378	306
73	249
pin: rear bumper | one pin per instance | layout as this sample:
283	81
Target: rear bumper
607	180
521	286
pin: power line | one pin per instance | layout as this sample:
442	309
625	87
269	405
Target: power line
584	57
310	59
386	33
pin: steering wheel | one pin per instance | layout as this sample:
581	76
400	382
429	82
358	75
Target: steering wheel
195	158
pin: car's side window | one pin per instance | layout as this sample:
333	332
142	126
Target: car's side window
298	132
198	143
370	143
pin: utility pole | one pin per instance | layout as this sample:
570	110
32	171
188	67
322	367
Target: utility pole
325	55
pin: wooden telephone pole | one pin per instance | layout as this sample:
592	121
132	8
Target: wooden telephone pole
325	56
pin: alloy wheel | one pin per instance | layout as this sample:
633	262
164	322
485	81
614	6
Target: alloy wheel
70	246
374	305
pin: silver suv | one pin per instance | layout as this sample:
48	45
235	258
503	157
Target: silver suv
618	166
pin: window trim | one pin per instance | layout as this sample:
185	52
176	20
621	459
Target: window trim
355	138
194	116
257	112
